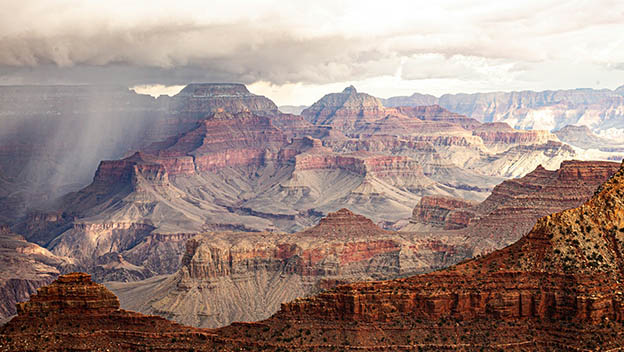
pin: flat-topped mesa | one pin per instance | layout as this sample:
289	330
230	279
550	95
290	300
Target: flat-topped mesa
581	136
445	212
73	293
501	132
587	171
215	90
139	165
199	100
345	110
415	99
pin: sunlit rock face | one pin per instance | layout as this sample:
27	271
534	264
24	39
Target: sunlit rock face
233	276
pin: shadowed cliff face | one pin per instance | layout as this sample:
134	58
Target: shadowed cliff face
557	288
53	137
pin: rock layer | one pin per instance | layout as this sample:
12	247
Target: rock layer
557	288
563	278
225	277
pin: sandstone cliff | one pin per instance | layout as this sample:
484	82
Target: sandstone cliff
226	277
514	205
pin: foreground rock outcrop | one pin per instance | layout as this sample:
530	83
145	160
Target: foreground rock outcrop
75	313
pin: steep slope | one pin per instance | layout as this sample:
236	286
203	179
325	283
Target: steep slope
228	277
514	205
24	267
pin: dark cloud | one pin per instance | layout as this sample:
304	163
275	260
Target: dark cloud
299	43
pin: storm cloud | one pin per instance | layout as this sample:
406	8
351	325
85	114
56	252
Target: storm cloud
309	43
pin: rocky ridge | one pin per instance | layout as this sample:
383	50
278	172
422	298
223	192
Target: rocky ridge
226	277
513	207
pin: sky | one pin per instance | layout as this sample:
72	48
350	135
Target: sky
296	51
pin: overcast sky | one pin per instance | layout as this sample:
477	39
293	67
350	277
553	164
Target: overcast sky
296	51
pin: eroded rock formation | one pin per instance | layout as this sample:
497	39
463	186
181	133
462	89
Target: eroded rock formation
226	277
557	288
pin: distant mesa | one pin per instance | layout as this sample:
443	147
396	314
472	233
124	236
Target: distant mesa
583	137
215	90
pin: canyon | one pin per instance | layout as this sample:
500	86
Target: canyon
557	288
215	171
233	276
239	171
